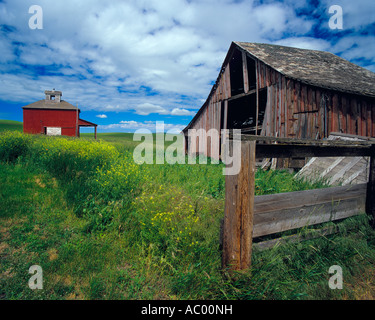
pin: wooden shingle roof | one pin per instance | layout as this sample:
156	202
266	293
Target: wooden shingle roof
318	68
51	105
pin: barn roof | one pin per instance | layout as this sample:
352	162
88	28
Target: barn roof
318	68
51	105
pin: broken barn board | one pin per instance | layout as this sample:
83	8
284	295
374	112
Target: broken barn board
338	170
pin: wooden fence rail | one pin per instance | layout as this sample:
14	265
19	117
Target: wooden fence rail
247	216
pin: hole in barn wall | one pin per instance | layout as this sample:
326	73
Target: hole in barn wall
242	112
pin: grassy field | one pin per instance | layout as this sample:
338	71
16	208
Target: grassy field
102	227
11	125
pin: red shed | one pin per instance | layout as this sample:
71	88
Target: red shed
53	116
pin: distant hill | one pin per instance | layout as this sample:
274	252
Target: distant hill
11	125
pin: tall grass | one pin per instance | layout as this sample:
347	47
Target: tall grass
96	177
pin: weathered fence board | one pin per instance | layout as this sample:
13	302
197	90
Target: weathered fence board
285	211
310	234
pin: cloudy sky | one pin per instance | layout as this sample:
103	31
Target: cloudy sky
130	63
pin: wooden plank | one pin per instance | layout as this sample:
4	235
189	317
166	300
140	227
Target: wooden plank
294	116
245	73
370	205
332	166
362	170
322	113
239	212
289	104
296	199
343	108
335	113
303	98
256	99
302	151
269	111
227	87
225	114
241	95
352	116
265	125
369	120
275	107
361	142
283	220
346	168
263	75
363	118
314	122
329	112
281	212
283	110
309	235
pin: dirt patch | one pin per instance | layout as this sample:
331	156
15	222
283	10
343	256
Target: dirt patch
39	183
364	287
3	247
52	254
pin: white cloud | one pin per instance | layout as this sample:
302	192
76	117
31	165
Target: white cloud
146	108
181	112
132	125
102	116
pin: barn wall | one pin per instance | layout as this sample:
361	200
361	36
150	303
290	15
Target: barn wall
298	110
34	120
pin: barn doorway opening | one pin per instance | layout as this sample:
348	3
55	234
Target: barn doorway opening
242	113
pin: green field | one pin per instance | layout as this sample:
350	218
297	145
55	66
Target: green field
11	125
103	227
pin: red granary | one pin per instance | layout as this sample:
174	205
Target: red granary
53	116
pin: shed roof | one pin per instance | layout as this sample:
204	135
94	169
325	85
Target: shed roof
51	105
318	68
85	123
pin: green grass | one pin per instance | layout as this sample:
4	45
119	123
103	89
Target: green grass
11	125
99	233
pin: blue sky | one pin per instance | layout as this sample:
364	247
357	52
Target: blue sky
130	63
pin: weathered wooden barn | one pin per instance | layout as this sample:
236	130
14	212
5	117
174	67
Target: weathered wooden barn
280	91
53	116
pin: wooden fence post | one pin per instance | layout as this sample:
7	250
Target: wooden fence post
370	197
239	212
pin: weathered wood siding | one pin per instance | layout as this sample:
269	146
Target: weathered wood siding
298	110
